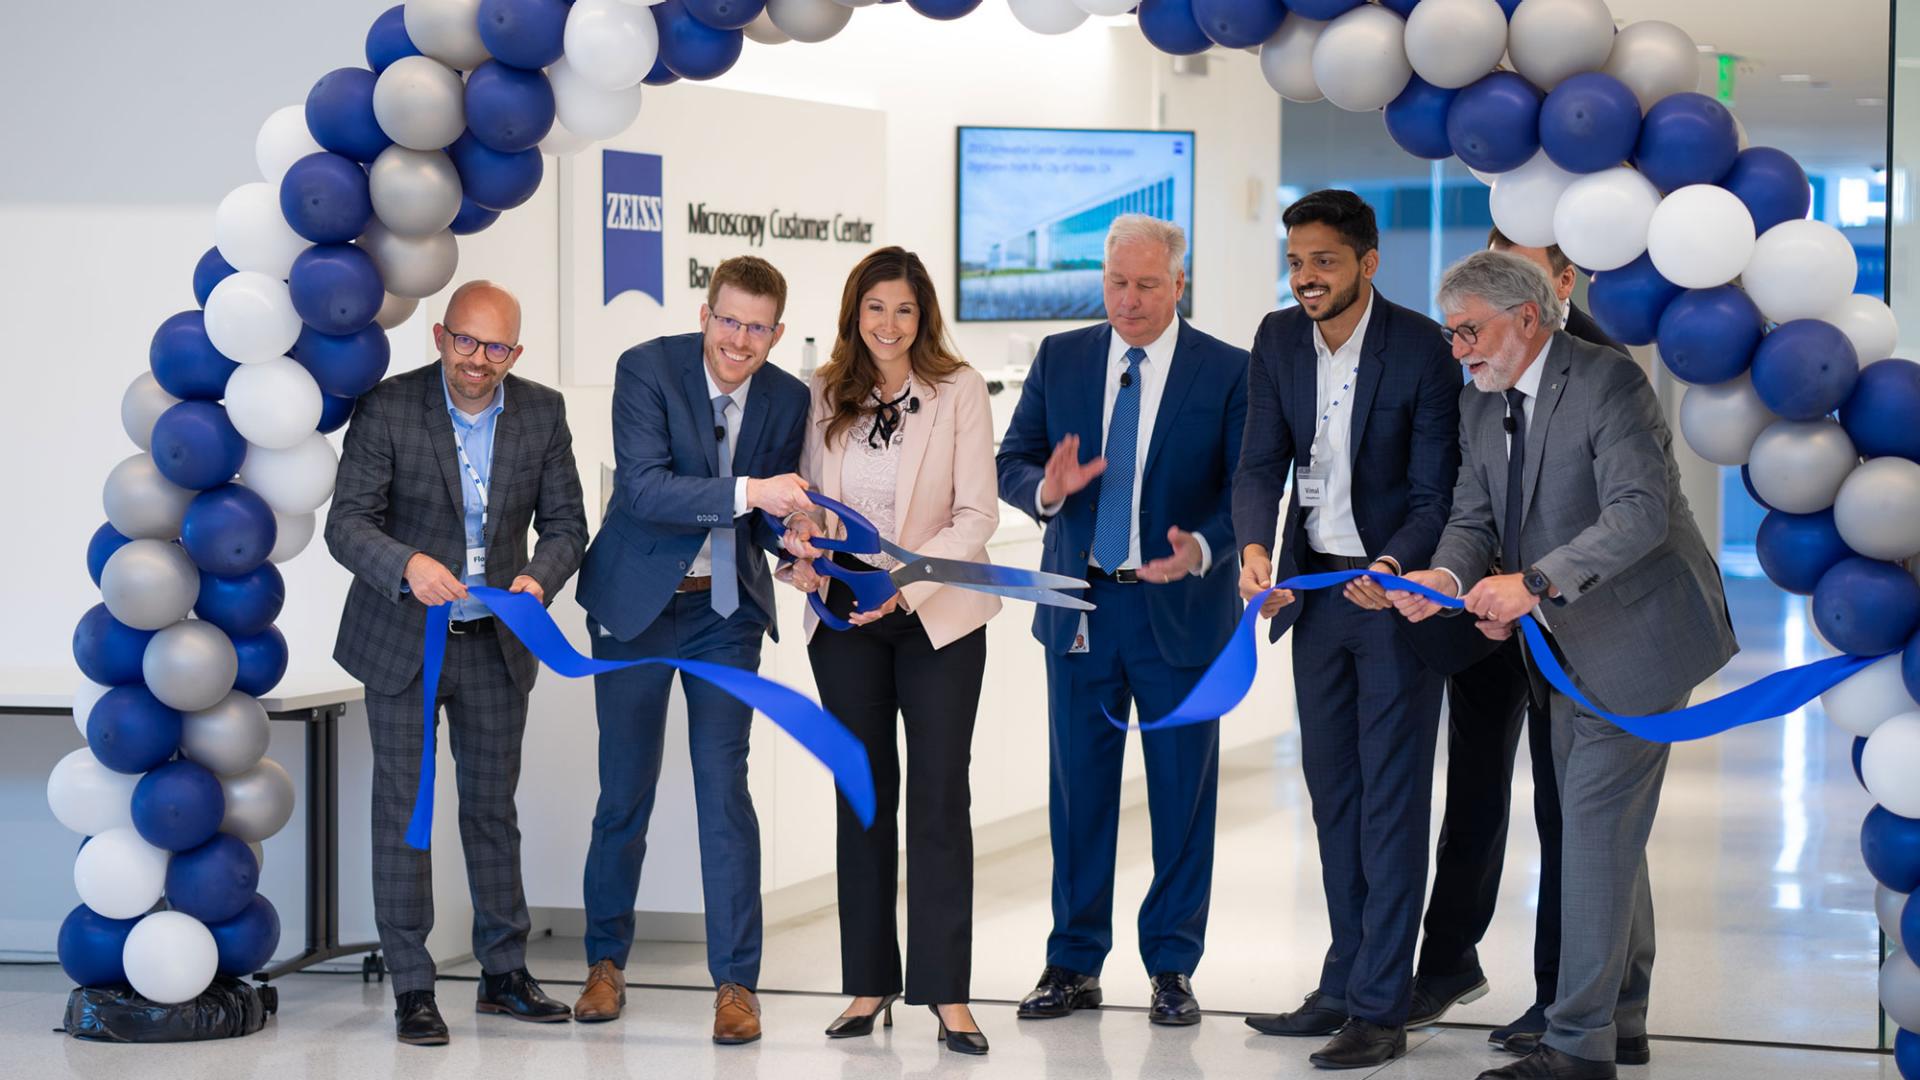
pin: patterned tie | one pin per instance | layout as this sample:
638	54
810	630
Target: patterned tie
1113	517
726	581
1516	482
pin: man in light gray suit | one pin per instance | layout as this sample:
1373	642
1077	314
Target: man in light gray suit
1567	475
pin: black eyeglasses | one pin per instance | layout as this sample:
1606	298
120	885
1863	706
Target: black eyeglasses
466	345
1470	332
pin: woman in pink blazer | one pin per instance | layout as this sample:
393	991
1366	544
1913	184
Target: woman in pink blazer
901	430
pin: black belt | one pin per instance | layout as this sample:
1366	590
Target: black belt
1126	576
1321	561
482	625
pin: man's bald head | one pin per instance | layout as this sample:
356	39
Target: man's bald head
482	299
478	342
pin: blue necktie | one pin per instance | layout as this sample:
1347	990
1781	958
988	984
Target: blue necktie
1113	517
726	581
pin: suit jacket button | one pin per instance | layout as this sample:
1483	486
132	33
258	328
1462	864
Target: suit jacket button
683	566
1083	554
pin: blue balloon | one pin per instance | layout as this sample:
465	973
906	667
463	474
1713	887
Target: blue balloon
658	74
211	270
340	114
184	361
215	881
91	946
326	199
334	413
106	540
1772	185
492	179
693	50
387	39
196	446
509	109
1708	335
178	806
247	941
1746	478
1240	24
263	661
1805	369
1417	119
1509	6
228	530
1906	1052
131	731
336	288
1891	846
1629	302
109	651
1404	8
1686	138
1494	123
1323	9
345	365
1882	413
1590	122
242	605
472	217
736	14
1797	550
524	33
1859	753
1170	26
1867	607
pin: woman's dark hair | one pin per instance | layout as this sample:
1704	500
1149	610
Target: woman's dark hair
1342	211
850	376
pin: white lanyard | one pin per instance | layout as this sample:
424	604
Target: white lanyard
460	444
1321	443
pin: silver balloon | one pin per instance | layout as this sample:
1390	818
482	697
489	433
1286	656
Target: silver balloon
395	310
1900	990
415	192
141	503
1552	40
259	801
1721	421
762	30
190	665
1286	59
1887	906
1360	61
1453	42
141	406
1654	59
447	30
259	854
291	534
151	584
412	266
1798	465
420	103
1878	509
808	21
229	738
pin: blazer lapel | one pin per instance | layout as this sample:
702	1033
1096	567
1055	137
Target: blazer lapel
440	435
693	377
1181	372
1373	362
508	434
1306	394
919	433
1553	383
753	428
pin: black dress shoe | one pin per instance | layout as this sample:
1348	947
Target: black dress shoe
1362	1044
416	1019
1546	1063
1173	1001
1531	1022
960	1042
1310	1019
1434	995
1628	1050
516	994
1058	993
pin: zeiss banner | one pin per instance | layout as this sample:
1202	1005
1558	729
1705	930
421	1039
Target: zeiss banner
631	233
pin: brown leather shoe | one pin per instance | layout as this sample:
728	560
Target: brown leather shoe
603	996
736	1015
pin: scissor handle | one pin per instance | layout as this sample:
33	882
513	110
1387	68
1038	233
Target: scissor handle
871	588
861	539
827	618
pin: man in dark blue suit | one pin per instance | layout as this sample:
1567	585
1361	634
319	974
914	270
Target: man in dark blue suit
1148	523
1358	400
704	434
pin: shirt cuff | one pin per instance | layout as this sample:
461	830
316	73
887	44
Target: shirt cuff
1457	589
739	496
1045	511
1206	555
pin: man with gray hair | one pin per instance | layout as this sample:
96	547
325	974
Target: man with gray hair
1143	513
1571	482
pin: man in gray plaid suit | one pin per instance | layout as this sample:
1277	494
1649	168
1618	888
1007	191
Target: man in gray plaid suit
444	469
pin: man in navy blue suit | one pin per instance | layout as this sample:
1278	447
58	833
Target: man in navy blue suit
1358	400
704	434
1147	521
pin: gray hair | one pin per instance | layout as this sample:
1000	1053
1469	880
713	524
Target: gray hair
1502	279
1145	229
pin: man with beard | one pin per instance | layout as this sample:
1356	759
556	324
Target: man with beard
1358	399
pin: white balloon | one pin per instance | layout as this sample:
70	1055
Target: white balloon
420	103
1602	218
611	44
559	142
1900	990
1047	16
1800	270
252	233
1488	178
1551	40
1722	421
251	318
1701	236
1360	61
870	3
151	584
1654	59
141	406
294	533
140	502
84	699
1869	324
1286	60
809	21
170	957
1868	698
1740	131
283	140
118	874
294	479
395	310
586	109
1451	43
762	30
1798	465
89	798
1888	906
1891	762
1878	514
447	30
1524	200
412	266
274	403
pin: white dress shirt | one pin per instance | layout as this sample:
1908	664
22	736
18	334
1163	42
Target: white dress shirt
702	565
1331	529
1529	387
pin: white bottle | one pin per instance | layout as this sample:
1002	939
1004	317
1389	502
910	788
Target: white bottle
809	359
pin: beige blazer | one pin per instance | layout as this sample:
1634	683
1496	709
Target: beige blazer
947	501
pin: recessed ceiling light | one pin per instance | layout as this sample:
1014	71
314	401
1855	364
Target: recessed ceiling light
1796	78
1871	102
1707	48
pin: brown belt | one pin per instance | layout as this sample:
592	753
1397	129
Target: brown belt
690	583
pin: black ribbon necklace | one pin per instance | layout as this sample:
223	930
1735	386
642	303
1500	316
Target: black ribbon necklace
886	418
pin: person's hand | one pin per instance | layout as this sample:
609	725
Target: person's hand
782	496
1256	577
1418	608
525	583
1366	592
800	529
1184	560
862	618
1501	599
1065	474
432	583
1495	631
801	575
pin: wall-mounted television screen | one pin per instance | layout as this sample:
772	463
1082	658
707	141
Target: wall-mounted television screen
1033	209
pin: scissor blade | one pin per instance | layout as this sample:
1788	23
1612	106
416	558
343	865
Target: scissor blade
1044	597
962	572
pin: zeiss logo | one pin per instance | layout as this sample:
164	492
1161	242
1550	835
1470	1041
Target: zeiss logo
634	216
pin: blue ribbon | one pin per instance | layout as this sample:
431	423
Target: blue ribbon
1229	678
813	727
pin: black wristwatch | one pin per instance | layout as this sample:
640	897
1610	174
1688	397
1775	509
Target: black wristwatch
1537	583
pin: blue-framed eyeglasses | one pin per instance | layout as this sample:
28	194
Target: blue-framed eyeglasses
760	331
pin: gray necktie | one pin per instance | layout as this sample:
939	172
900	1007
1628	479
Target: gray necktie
726	581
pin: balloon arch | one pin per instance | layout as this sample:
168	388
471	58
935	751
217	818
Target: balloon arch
1592	138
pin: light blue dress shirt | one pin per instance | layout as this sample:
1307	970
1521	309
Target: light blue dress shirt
475	434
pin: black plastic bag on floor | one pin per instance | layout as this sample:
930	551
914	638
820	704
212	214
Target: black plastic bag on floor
227	1010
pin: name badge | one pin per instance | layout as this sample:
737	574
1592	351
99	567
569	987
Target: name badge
1311	486
1080	637
476	562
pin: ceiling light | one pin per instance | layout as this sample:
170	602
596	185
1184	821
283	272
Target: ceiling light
1709	49
1796	78
1871	102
